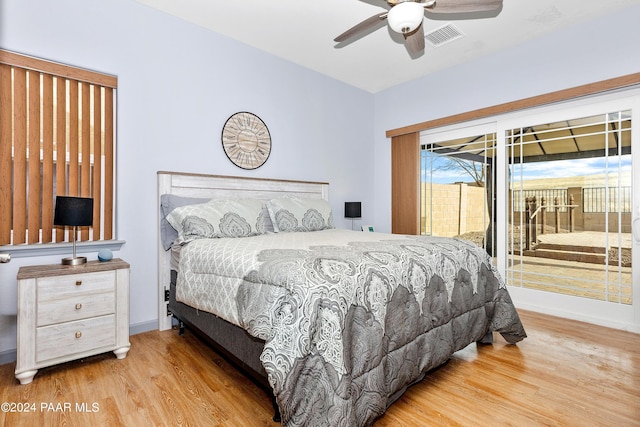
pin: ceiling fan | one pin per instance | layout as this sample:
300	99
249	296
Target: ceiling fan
406	16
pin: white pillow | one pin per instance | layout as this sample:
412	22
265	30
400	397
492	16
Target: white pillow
218	218
300	214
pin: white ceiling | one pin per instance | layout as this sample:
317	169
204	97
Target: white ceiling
302	31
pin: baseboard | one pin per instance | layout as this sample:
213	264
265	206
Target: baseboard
139	328
594	320
8	356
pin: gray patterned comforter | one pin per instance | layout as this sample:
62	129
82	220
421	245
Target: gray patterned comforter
348	328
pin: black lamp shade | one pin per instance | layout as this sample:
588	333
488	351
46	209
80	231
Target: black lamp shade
352	209
73	211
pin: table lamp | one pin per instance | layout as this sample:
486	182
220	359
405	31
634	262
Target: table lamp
73	212
352	210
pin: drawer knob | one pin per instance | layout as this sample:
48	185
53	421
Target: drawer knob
78	334
78	306
78	282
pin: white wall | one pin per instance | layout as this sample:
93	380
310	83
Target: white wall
586	53
177	85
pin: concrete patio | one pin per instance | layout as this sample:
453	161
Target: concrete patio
588	238
566	276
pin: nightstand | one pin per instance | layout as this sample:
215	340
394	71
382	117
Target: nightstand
69	312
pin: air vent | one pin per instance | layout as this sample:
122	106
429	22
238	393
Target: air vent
443	35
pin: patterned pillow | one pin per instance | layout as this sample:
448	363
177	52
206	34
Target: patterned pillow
218	218
168	202
300	214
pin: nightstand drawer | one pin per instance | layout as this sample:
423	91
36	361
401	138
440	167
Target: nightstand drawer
62	287
75	337
82	306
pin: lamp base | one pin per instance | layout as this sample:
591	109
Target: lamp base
74	260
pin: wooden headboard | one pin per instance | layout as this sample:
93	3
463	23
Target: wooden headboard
219	187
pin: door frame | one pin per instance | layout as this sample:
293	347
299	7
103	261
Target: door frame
604	313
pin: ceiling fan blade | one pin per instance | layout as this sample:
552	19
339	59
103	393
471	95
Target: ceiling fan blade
463	6
361	27
414	41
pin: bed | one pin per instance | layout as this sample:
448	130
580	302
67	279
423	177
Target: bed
336	324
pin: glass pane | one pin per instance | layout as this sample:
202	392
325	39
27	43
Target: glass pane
456	184
570	207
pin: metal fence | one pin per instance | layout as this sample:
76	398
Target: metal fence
549	194
603	199
594	200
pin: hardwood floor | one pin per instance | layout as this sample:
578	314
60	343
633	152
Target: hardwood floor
565	373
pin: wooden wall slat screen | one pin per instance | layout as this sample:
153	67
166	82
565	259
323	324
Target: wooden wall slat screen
56	138
61	149
19	156
97	166
33	177
405	182
47	157
5	153
109	156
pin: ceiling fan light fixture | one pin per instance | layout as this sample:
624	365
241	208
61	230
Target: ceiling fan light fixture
405	17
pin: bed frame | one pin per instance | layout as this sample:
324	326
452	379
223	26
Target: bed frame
218	186
231	341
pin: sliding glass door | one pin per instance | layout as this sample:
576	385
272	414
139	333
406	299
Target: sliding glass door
553	194
568	188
